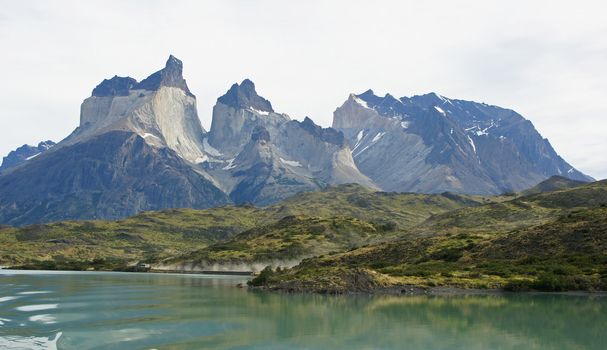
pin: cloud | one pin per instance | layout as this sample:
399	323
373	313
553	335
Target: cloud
544	59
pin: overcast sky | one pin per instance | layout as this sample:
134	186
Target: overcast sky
545	59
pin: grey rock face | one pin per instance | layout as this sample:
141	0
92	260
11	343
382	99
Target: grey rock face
432	144
110	176
137	148
244	96
23	154
160	109
262	156
262	177
170	76
236	114
140	146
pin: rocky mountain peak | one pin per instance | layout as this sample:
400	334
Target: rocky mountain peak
24	153
329	135
429	100
116	86
171	76
244	96
370	98
368	94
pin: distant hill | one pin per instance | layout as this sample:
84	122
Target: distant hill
554	183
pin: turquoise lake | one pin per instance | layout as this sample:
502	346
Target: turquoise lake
90	310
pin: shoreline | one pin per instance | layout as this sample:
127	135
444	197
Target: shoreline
405	290
410	290
160	272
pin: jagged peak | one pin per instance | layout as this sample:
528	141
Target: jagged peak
171	76
387	105
244	95
391	97
355	99
370	98
115	86
430	99
368	93
174	62
46	144
325	134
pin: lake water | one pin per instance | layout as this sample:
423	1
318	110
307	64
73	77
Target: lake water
87	310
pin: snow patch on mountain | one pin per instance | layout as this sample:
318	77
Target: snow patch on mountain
378	137
290	162
440	110
260	112
230	165
34	156
147	134
471	143
360	101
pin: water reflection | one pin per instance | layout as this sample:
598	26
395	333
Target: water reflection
126	311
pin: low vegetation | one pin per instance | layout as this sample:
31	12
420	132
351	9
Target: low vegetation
335	219
350	239
539	242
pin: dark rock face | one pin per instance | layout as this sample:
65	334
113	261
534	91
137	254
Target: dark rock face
111	176
260	134
23	154
245	96
430	143
131	153
325	134
171	76
116	86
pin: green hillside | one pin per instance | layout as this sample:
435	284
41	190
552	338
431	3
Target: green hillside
352	239
349	215
115	244
546	241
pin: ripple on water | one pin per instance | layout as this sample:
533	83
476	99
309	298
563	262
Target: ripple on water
29	343
44	318
36	307
3	299
35	292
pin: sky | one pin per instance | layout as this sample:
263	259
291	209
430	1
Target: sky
545	59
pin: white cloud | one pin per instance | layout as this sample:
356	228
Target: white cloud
545	59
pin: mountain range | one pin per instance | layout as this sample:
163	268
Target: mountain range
140	146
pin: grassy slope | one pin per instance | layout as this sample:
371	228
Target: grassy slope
289	239
334	220
349	214
112	244
545	241
554	183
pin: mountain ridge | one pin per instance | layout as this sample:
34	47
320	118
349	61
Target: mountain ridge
451	144
254	154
